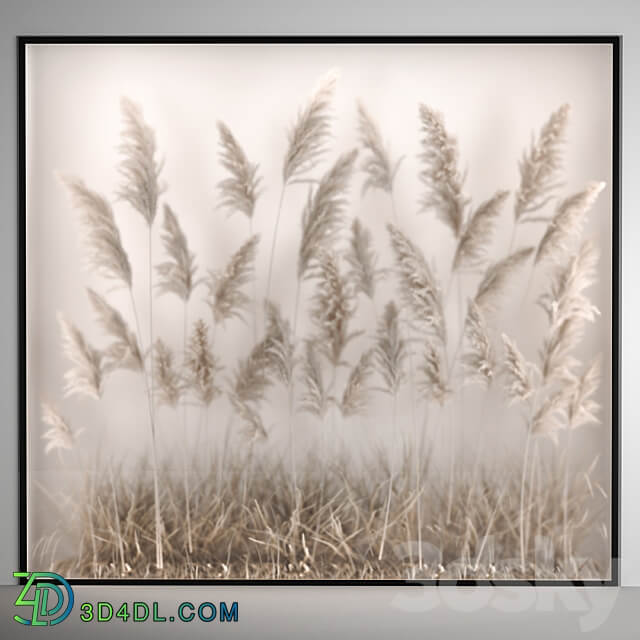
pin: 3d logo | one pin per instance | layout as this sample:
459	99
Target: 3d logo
43	610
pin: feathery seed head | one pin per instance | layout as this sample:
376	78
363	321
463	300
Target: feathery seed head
567	223
479	359
540	166
390	350
418	287
324	213
565	297
568	309
280	347
124	352
333	307
472	247
440	176
519	372
362	259
356	391
240	190
177	274
201	365
139	167
550	415
310	134
86	375
376	163
251	377
226	297
314	398
251	380
433	385
105	251
498	277
59	435
169	384
582	408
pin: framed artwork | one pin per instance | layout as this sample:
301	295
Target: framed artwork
320	310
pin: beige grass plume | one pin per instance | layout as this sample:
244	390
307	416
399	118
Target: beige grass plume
226	298
251	421
433	384
475	239
440	176
280	347
557	358
582	409
356	392
497	279
568	309
565	295
86	375
519	373
567	223
124	352
540	166
376	164
311	131
139	167
251	379
59	435
362	259
419	289
201	365
240	190
167	379
106	253
550	416
333	308
314	398
270	359
390	350
177	274
323	215
479	359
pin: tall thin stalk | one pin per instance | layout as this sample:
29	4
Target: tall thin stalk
254	287
452	462
391	474
323	458
274	240
522	487
534	464
417	465
566	546
117	519
154	454
281	349
412	391
187	493
521	388
159	559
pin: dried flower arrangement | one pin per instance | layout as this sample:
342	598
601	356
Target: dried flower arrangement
240	514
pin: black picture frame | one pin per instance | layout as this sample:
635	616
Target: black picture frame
616	43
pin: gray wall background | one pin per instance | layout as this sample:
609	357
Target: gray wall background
118	17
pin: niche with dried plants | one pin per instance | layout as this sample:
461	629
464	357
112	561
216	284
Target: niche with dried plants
384	342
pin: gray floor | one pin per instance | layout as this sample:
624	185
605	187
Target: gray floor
370	612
